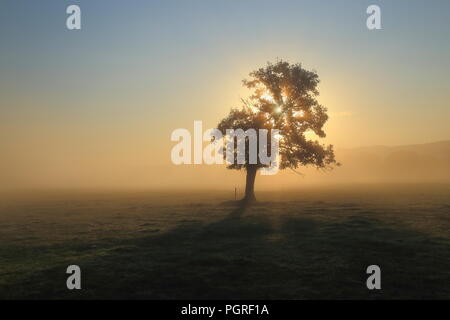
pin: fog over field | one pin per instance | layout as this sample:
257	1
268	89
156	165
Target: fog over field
421	163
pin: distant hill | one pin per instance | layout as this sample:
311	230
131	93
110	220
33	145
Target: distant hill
428	162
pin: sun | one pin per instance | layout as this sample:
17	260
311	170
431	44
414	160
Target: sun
268	97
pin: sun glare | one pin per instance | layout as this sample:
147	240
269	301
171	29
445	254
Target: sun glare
266	96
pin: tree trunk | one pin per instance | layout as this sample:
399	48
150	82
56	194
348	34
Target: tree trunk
250	184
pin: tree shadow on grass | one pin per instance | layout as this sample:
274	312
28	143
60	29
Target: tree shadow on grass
248	257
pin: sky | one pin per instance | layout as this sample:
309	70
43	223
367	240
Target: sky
107	97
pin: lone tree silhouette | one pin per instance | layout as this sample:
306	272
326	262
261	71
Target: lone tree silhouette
284	98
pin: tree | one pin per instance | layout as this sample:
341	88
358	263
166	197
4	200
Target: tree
284	97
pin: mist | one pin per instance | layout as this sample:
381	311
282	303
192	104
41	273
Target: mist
422	163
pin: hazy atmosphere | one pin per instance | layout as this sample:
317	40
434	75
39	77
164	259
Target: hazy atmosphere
95	108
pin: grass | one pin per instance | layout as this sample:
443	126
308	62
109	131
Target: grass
308	244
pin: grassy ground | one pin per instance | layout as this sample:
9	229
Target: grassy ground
308	244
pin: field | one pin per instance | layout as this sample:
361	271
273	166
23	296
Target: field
310	243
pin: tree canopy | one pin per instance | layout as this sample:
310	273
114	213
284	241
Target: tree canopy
284	97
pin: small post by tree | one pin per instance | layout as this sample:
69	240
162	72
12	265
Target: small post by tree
284	97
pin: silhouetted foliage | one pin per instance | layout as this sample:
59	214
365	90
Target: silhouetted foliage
284	97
